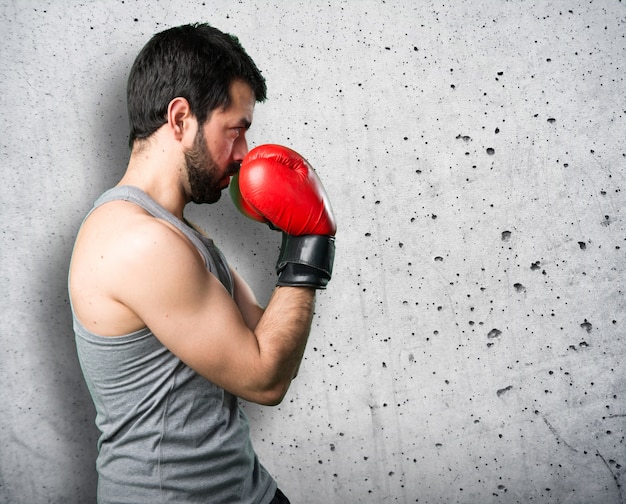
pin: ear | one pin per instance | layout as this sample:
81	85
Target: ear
180	119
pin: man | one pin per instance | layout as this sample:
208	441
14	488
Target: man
168	336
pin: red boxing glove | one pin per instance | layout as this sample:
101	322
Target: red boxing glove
241	204
278	186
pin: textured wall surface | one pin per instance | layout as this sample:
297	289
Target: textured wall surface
471	347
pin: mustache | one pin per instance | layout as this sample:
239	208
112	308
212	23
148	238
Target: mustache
233	168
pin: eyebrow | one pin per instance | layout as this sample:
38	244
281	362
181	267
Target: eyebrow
245	123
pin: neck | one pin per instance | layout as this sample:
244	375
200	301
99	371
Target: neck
158	172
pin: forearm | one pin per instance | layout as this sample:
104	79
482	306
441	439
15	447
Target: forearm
282	334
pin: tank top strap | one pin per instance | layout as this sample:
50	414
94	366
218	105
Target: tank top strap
213	257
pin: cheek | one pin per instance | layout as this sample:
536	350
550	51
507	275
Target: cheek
220	147
221	151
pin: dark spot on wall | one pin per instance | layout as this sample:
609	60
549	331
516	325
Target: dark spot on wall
586	325
504	390
519	287
491	151
506	235
582	344
582	245
494	333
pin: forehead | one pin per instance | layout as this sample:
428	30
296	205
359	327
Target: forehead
242	99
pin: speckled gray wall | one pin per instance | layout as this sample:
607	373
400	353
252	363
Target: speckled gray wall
471	347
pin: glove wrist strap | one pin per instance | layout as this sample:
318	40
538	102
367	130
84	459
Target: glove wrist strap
306	261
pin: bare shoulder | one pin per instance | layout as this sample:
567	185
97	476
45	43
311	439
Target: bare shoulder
121	251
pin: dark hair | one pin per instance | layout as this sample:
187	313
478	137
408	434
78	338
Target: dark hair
196	62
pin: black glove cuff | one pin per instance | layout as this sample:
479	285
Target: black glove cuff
306	261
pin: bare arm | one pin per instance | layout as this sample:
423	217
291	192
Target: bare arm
130	271
251	352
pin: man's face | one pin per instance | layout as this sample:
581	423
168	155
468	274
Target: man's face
220	146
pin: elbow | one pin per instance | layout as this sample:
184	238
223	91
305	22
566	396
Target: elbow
270	400
273	395
269	386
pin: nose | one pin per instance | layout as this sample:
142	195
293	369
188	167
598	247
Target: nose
240	149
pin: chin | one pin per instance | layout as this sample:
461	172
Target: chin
206	198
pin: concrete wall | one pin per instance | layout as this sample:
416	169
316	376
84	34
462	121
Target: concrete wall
471	346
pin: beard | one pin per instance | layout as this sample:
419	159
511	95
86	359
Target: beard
203	173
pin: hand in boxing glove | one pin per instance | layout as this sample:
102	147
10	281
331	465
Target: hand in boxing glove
277	186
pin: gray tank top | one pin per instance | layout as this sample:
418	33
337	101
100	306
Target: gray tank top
167	434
